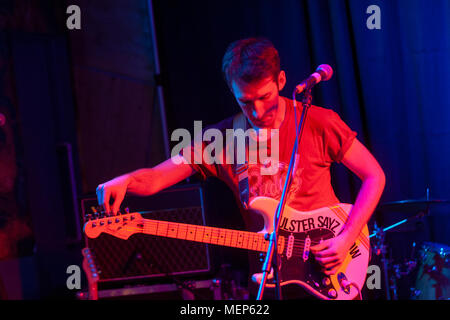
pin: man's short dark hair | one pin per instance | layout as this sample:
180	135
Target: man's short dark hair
249	60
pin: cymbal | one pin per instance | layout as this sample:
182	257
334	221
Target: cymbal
403	214
415	202
412	206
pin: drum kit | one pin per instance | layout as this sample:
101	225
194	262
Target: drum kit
423	272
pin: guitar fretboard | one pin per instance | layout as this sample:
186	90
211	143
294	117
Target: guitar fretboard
218	236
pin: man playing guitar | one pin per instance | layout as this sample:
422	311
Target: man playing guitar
252	70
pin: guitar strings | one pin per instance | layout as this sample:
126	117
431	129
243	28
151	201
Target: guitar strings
214	236
213	239
295	253
154	224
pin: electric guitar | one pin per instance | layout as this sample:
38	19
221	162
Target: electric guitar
299	230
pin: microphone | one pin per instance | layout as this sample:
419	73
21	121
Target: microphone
322	73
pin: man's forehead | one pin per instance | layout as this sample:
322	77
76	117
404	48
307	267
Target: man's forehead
251	90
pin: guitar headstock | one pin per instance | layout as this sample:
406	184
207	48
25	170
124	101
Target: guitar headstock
121	225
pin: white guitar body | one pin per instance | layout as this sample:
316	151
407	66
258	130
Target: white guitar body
299	267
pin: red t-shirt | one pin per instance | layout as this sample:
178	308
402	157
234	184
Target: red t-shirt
326	138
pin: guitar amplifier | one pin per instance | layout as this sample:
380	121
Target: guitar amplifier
146	256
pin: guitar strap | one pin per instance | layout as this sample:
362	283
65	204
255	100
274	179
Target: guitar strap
241	169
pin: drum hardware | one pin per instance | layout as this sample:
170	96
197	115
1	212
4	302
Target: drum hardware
397	271
432	265
410	205
433	277
409	265
404	269
420	209
380	249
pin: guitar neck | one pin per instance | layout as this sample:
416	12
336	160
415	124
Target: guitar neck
218	236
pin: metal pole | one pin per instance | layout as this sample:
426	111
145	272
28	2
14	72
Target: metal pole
272	252
162	107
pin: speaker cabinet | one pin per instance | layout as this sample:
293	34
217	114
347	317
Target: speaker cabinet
147	256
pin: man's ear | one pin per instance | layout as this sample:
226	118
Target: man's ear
281	80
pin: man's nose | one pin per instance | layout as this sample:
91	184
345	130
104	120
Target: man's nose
258	110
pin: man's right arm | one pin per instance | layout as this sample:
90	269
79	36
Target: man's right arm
143	182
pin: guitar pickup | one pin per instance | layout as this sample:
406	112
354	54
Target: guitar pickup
306	248
290	246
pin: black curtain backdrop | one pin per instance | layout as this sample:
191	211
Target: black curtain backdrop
390	85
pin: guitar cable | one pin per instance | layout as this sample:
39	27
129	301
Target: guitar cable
357	289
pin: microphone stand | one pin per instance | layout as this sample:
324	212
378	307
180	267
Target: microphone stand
272	249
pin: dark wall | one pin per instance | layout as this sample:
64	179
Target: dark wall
119	127
35	89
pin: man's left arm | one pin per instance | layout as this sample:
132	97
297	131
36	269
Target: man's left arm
331	253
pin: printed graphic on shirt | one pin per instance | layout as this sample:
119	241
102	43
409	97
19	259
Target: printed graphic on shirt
272	185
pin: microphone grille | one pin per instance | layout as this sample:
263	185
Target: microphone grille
327	70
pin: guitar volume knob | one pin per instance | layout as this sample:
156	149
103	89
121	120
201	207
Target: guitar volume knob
332	293
326	281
